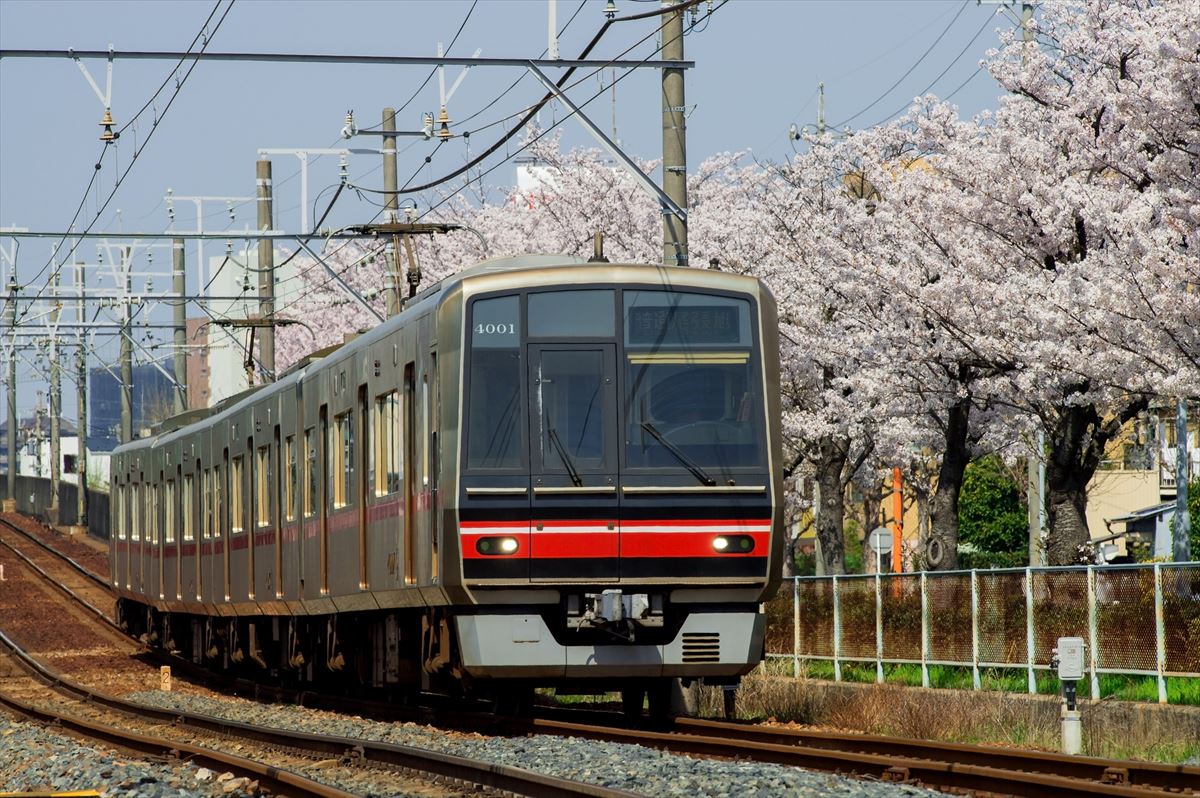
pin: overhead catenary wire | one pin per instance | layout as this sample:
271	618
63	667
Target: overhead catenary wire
133	160
908	71
539	135
549	95
941	74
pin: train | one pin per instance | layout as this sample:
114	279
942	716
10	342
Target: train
542	472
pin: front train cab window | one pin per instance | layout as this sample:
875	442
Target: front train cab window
691	397
494	408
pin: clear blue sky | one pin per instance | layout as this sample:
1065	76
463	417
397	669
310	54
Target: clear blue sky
757	67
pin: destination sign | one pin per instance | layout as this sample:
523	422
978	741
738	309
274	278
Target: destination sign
689	324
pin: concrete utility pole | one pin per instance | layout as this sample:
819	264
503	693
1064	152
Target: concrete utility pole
391	204
266	268
1035	498
10	501
675	244
81	501
55	405
126	352
1183	523
179	286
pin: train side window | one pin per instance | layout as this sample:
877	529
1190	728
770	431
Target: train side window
209	504
155	517
122	493
151	518
262	486
135	532
310	471
189	489
289	478
218	502
236	472
169	514
343	459
425	430
387	444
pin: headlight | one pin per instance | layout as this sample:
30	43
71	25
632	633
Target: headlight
497	546
734	544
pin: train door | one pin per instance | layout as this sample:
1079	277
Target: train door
227	511
277	491
410	473
432	419
364	478
323	504
573	462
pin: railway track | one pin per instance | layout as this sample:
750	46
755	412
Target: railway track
943	766
946	766
83	585
86	704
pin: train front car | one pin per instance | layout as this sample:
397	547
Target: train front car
618	496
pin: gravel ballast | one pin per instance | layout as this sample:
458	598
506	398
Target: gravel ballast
35	758
616	765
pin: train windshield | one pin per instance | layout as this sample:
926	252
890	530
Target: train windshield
691	396
686	392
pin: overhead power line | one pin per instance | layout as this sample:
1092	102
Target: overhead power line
908	71
941	74
137	152
335	58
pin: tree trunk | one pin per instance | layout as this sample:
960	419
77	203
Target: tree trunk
941	547
1077	443
1067	521
830	459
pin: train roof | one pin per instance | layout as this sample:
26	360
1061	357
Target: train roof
176	426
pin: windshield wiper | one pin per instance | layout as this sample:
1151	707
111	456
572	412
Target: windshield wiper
576	480
688	462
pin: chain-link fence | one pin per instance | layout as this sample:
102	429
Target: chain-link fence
1136	619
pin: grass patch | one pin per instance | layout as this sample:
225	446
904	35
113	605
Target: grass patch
1183	691
1112	729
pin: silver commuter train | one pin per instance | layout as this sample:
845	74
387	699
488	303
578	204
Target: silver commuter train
542	472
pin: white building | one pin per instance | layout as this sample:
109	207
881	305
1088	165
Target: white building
231	277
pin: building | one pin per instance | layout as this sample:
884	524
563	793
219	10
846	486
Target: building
153	401
198	389
235	275
1133	495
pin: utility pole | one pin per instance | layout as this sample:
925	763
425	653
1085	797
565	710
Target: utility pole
266	269
179	285
1035	496
391	204
55	405
81	502
821	108
1183	523
675	243
126	352
10	501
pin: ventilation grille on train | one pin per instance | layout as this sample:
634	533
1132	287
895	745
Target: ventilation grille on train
701	646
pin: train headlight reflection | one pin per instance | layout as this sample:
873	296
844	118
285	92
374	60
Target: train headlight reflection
497	545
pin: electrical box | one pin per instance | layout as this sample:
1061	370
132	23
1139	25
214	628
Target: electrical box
1070	658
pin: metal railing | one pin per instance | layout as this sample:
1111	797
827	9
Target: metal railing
1137	619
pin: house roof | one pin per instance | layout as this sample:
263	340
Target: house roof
1144	513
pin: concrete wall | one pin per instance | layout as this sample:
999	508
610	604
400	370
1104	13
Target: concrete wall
33	498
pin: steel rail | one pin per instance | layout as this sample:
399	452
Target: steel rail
1151	774
71	594
87	572
936	771
457	768
276	780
